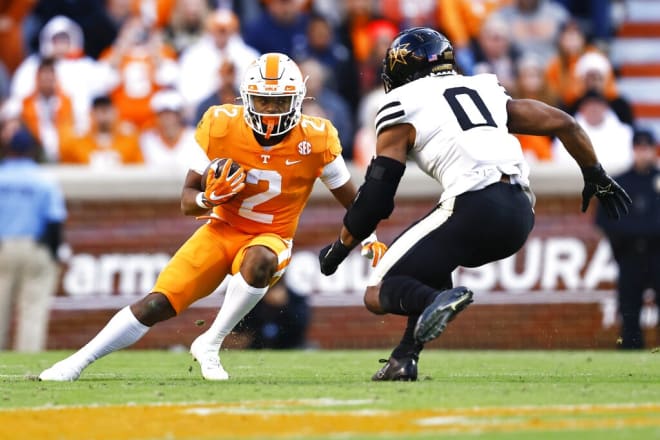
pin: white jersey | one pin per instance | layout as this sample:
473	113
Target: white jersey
462	139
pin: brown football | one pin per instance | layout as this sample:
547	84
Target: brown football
216	166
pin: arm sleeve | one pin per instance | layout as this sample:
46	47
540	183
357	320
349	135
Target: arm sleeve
335	173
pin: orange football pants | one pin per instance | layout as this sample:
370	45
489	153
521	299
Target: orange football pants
215	250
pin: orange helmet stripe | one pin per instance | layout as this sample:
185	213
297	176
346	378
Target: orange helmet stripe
272	68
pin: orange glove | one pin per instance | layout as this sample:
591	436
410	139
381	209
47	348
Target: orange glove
373	249
226	185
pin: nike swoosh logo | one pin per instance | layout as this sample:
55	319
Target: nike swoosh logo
291	162
215	198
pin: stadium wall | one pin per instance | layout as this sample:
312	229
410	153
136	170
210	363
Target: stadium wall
557	293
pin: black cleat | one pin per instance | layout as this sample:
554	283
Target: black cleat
444	308
404	369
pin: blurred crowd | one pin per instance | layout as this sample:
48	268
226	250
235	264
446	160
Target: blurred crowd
111	82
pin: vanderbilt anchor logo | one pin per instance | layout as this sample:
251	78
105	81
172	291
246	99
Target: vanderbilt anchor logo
304	148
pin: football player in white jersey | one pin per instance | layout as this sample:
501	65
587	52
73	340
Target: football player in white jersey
457	129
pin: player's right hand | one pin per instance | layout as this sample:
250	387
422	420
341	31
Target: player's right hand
598	183
226	185
331	256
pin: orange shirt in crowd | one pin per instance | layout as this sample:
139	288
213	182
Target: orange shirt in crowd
564	82
539	147
461	20
137	70
363	29
121	146
156	13
12	49
62	118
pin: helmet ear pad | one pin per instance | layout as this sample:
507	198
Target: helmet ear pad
416	53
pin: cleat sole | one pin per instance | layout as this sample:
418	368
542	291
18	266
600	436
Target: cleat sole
433	321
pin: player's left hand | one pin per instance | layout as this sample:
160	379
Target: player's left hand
598	183
373	249
331	256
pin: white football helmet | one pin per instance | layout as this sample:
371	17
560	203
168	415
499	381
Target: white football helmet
276	78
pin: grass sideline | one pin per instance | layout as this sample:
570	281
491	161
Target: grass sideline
329	395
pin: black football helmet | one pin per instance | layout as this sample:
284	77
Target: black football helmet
416	53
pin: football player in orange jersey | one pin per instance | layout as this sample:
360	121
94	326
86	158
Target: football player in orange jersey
252	213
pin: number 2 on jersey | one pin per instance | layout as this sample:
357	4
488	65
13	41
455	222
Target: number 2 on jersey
274	180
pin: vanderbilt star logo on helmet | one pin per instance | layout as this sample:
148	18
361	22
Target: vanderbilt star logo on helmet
398	55
416	53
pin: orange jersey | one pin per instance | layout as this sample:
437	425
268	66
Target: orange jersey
279	178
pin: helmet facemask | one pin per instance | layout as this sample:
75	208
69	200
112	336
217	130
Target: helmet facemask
272	115
272	92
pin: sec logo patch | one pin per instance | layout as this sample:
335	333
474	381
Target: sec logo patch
304	148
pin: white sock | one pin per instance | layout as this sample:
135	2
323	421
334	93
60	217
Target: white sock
121	331
240	298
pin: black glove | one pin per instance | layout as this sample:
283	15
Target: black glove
613	198
331	256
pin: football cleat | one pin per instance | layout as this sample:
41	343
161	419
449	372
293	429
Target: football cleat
433	320
62	371
404	369
209	360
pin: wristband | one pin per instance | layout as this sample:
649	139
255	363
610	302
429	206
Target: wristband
200	200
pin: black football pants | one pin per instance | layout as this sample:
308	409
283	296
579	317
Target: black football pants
483	226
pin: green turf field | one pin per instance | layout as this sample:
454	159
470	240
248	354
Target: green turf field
150	395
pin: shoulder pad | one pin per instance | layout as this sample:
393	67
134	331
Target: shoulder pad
391	112
317	128
221	117
314	126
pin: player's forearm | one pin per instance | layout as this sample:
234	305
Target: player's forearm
345	194
189	202
577	143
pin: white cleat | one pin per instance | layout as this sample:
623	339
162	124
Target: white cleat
62	371
208	359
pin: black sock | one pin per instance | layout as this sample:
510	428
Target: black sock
404	295
408	347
